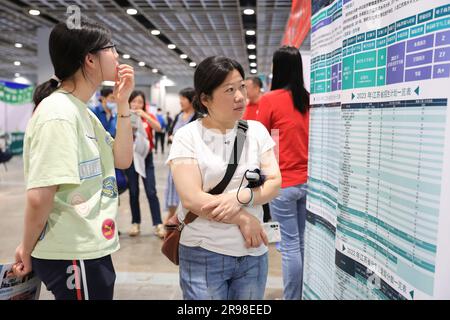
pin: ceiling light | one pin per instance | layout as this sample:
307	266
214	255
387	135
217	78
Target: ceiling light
249	12
34	12
253	71
253	64
155	70
16	74
18	45
183	56
171	46
192	64
131	11
126	56
155	32
142	64
17	63
250	32
252	57
251	46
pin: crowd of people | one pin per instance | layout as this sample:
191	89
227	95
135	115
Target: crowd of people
227	129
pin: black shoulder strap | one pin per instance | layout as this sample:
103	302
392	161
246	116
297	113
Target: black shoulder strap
234	158
174	122
195	116
238	146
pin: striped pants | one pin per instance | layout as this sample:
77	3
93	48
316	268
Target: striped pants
77	279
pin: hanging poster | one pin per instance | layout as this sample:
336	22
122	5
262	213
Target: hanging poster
378	204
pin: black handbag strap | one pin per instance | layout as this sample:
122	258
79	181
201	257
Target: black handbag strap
238	146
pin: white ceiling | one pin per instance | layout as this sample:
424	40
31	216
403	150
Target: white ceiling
198	28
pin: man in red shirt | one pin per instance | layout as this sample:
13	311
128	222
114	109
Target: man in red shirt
254	94
254	85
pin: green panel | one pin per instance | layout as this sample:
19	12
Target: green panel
381	77
320	74
319	17
347	72
438	25
344	52
371	35
369	45
391	39
406	23
16	146
364	79
381	58
391	28
361	37
442	11
381	43
349	50
425	16
351	41
16	96
366	60
382	32
320	87
417	31
402	35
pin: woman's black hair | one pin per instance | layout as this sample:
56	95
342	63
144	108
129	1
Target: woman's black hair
209	75
68	48
136	93
188	93
287	70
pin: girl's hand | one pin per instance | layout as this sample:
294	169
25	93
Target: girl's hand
124	84
22	267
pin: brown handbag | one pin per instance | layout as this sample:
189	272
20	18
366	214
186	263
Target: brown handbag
173	227
172	238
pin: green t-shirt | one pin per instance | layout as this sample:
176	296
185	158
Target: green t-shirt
66	145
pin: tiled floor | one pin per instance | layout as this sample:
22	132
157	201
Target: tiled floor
142	271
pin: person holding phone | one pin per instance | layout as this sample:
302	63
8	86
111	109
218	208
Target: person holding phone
70	226
143	124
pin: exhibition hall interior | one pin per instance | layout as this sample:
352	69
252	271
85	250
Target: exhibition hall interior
224	150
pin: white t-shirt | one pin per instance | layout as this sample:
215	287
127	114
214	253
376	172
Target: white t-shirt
212	151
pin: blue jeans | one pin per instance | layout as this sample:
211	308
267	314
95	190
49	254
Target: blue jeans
206	275
289	209
150	190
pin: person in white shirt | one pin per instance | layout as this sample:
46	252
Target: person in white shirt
223	253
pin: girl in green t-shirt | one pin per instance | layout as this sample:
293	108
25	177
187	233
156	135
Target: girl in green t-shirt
69	159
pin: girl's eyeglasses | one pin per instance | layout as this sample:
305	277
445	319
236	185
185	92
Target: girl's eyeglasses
110	46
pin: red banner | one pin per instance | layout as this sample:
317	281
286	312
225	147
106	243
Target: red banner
299	23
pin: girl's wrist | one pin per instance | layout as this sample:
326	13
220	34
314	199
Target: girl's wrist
123	107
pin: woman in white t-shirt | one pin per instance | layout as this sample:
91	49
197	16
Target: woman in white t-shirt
223	253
